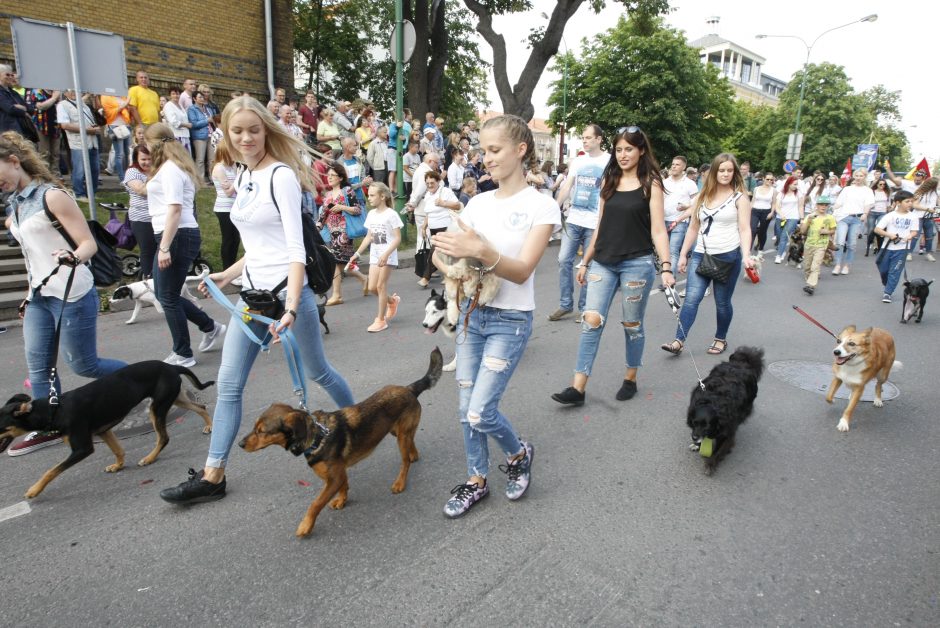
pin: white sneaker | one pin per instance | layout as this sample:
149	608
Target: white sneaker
211	339
836	270
931	258
178	360
708	291
778	259
845	270
910	257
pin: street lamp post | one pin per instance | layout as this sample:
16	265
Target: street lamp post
797	140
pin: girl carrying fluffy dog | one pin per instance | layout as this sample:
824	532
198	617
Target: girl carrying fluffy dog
384	226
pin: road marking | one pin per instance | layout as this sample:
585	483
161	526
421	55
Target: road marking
15	510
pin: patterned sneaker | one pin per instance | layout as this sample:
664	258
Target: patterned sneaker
391	309
519	472
195	490
464	497
211	339
33	442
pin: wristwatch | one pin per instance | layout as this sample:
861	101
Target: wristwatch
164	250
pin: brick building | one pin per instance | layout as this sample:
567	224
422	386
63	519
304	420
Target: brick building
218	42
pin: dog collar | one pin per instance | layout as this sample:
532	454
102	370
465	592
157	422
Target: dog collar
320	433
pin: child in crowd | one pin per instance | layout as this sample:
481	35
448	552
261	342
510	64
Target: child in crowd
384	236
899	228
817	227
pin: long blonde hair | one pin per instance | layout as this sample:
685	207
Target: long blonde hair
278	143
164	147
12	144
711	179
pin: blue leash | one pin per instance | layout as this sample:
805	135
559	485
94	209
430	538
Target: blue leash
288	340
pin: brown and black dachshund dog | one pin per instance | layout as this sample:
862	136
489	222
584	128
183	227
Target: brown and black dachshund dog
96	407
334	441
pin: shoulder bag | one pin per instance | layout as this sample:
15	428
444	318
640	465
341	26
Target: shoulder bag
711	267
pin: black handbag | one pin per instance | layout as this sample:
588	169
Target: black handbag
710	267
264	302
422	259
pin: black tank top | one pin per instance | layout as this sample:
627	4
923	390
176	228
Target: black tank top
624	231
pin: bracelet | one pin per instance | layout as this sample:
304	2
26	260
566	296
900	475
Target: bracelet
663	272
490	268
164	250
292	313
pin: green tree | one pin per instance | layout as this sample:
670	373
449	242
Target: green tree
631	75
835	119
544	41
750	127
331	40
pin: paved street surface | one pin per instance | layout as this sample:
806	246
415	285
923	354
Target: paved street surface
801	525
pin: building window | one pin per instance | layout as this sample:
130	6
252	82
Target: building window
746	73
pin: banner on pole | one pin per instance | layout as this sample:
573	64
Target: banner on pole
865	157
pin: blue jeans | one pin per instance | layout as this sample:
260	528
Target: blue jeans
122	155
238	356
572	236
489	348
873	218
634	278
786	231
927	231
891	267
78	171
77	343
847	235
168	283
676	237
695	292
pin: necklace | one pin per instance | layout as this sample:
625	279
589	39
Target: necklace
251	184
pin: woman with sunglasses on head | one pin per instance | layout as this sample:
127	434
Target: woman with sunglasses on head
882	199
267	213
630	235
762	209
720	227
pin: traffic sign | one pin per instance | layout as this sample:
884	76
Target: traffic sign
789	166
794	145
410	40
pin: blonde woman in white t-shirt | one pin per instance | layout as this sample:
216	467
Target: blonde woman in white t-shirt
267	213
505	232
171	192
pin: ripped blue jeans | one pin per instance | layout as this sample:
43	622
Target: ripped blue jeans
634	278
489	348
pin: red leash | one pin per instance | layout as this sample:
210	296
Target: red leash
815	322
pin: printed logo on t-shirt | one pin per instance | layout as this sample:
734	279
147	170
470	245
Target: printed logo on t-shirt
379	236
245	200
517	221
903	223
587	189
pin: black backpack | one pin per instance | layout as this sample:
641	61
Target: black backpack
105	265
321	264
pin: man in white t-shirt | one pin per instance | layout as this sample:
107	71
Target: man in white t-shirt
851	212
67	115
584	185
905	184
677	205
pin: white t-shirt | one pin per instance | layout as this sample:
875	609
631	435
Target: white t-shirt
723	235
412	160
273	239
171	186
506	223
381	224
901	224
854	199
908	186
789	207
176	117
677	193
455	176
438	216
586	190
67	111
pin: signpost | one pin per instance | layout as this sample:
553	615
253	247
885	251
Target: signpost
97	64
794	146
789	166
401	46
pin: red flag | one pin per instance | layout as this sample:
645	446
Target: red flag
847	172
921	166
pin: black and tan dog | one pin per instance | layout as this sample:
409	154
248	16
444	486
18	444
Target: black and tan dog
334	441
96	407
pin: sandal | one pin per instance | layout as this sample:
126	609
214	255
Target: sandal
674	347
335	301
714	349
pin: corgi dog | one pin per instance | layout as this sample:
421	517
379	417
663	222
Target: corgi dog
859	357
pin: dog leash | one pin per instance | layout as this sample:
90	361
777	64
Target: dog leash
814	321
53	371
672	299
291	348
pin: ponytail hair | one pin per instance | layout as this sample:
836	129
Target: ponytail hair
518	132
164	147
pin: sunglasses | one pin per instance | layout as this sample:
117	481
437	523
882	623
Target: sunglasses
628	129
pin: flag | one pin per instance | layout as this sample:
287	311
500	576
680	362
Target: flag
847	172
921	166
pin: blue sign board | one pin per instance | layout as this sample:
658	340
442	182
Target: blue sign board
866	157
789	165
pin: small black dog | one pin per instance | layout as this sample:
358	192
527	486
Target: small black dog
795	248
716	412
96	407
916	292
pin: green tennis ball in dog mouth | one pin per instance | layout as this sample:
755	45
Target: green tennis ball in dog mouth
707	447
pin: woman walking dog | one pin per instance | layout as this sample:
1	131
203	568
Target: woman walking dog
267	215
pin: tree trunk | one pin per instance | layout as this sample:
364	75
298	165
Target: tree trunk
517	99
439	42
417	94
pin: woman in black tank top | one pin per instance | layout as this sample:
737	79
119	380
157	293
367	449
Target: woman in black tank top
630	234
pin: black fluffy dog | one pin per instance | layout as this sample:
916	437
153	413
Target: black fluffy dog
916	292
716	412
795	248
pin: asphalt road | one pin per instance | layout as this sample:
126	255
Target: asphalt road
800	525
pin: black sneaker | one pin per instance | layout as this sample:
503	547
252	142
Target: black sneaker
809	290
570	397
195	490
627	390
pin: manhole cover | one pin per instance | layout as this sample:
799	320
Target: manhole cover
816	377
